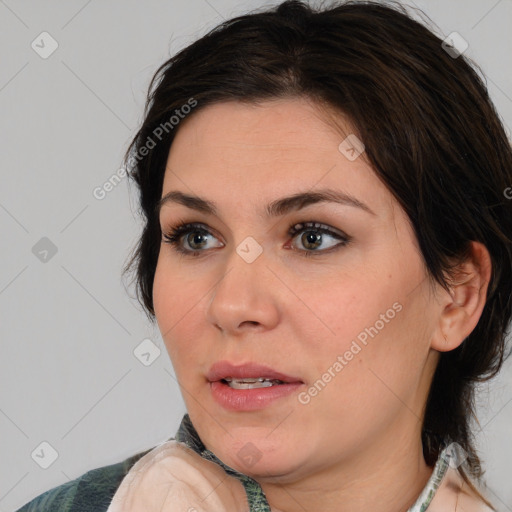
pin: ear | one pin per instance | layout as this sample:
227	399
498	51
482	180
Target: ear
464	304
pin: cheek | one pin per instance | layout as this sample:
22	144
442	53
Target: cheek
174	295
164	287
378	360
177	305
342	309
364	329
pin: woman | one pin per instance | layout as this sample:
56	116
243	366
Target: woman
327	253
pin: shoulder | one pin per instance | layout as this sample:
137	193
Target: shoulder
470	501
455	494
91	491
59	498
175	475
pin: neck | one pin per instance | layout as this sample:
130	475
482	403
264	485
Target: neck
385	479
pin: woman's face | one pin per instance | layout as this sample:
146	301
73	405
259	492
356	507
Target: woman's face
351	323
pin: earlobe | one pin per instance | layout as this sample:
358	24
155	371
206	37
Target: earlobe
464	304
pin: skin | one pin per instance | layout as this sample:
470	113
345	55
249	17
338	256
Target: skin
356	445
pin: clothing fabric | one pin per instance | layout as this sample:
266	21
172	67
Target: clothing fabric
93	491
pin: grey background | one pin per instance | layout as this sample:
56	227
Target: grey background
68	326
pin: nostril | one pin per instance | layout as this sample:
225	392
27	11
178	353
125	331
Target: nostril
252	322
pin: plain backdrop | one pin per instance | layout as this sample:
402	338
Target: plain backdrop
73	394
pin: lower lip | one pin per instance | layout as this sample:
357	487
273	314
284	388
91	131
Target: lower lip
250	399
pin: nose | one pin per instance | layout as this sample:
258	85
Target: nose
244	298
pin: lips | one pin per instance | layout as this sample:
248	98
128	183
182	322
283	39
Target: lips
224	369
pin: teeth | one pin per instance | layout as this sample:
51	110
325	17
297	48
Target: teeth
260	382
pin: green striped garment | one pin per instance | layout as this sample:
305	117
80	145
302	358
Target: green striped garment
93	491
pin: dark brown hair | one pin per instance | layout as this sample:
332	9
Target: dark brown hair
431	134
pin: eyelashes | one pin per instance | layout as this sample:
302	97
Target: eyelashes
175	237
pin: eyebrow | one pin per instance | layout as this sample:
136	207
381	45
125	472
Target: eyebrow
274	209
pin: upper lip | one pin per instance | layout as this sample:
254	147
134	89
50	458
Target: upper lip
222	369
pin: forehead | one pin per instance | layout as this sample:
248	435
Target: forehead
278	126
232	151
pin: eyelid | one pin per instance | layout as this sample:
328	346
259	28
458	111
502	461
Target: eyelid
201	225
301	227
174	235
314	225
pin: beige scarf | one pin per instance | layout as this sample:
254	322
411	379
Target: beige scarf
174	478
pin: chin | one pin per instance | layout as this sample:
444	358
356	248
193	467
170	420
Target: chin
259	458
